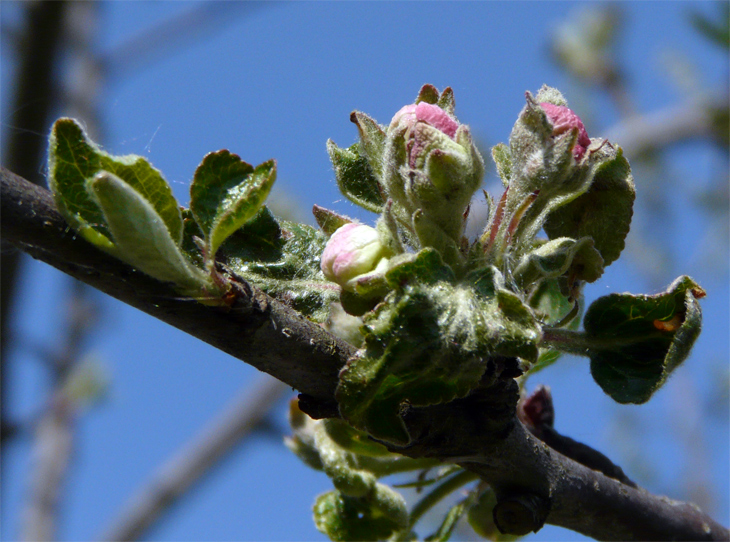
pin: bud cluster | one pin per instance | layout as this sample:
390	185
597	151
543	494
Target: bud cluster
421	171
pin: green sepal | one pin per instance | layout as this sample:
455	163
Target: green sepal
372	141
141	237
603	212
428	94
557	257
375	517
283	259
355	178
226	193
329	221
446	101
73	159
503	160
636	341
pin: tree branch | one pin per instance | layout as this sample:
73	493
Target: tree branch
488	440
258	330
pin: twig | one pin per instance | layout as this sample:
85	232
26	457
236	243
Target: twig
188	466
537	413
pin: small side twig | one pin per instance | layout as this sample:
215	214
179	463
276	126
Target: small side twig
538	414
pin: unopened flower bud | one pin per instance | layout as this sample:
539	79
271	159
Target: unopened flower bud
431	165
420	141
353	251
564	120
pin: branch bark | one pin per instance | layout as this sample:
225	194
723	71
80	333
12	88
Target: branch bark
526	474
257	330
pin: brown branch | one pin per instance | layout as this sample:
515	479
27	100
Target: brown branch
534	483
257	329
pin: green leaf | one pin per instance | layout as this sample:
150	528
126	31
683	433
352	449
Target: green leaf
372	141
375	517
282	258
429	342
302	442
636	341
329	221
354	441
74	158
426	267
342	466
140	236
226	193
557	257
355	178
552	306
603	212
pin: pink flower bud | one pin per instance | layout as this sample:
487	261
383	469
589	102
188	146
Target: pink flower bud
418	139
564	120
428	113
353	250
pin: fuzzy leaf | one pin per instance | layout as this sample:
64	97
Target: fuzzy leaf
73	159
603	212
282	258
428	342
355	178
226	193
636	341
375	517
140	236
552	306
372	141
329	221
559	257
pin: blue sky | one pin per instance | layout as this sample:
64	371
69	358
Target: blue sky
276	82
